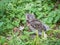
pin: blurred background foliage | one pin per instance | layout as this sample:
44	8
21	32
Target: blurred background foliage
12	14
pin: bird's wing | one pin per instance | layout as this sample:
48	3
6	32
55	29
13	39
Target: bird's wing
37	25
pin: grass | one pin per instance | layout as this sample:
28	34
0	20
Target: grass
25	39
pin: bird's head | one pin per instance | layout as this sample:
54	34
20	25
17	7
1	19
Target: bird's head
30	17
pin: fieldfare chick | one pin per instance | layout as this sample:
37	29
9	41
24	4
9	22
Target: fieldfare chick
35	24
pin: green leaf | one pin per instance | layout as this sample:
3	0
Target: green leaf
1	23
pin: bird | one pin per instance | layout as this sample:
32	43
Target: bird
34	24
